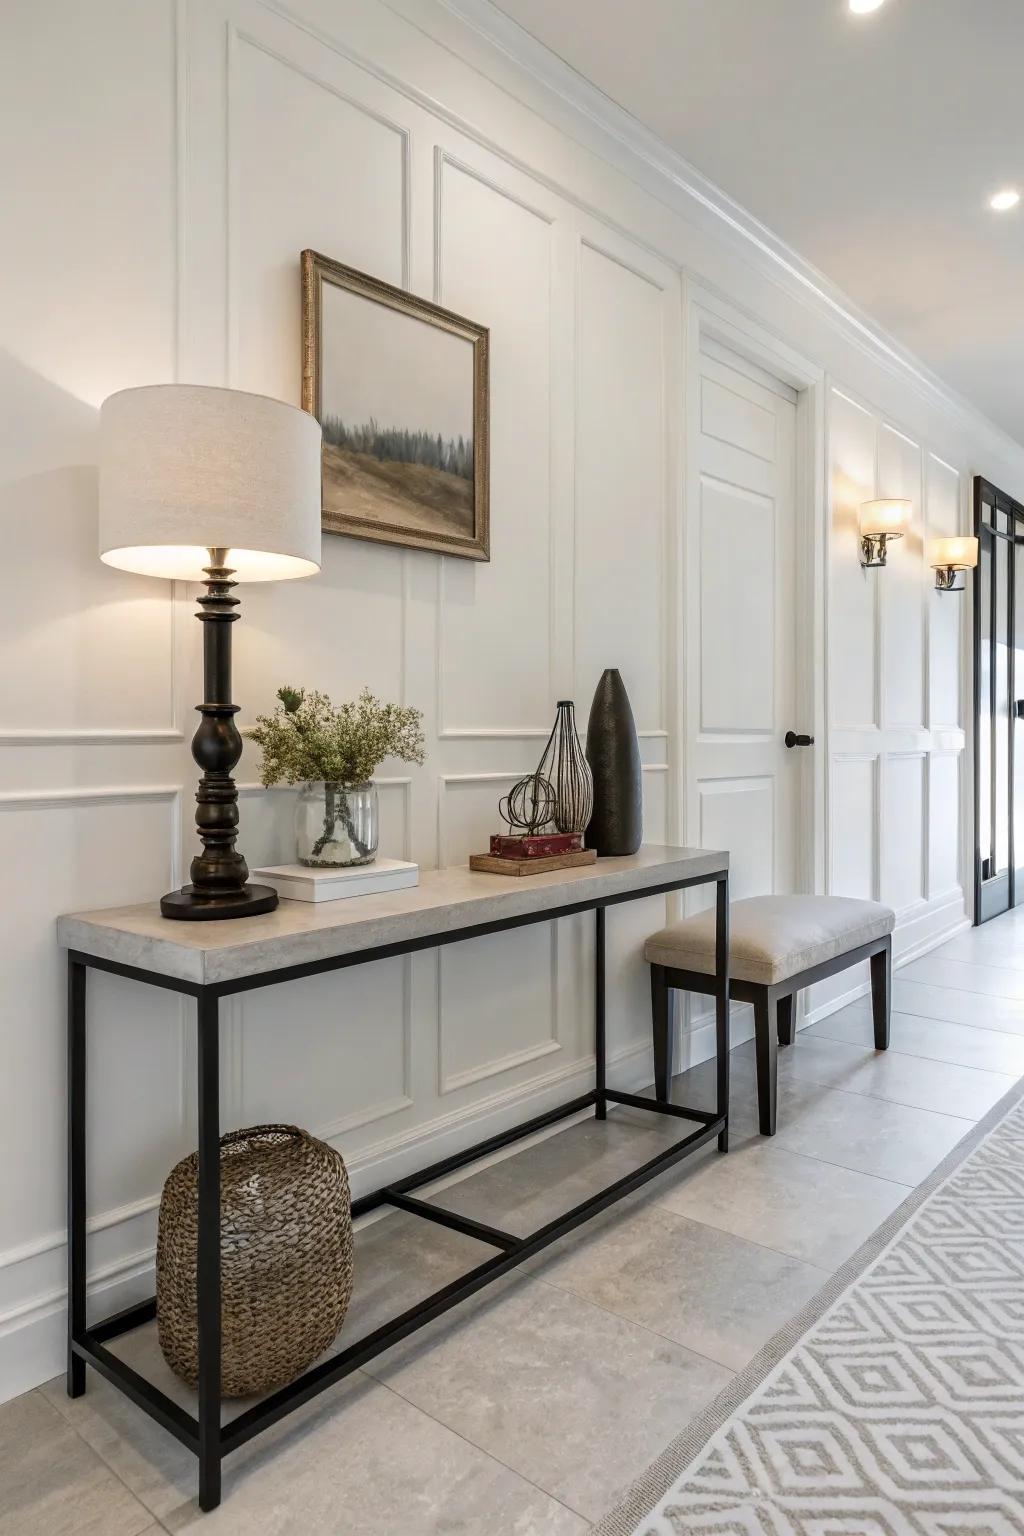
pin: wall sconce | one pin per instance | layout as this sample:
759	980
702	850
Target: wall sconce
879	522
947	557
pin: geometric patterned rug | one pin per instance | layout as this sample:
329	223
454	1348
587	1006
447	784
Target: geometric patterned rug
893	1405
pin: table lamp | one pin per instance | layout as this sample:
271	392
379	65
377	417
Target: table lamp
213	486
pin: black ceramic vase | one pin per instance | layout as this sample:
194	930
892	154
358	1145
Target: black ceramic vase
613	752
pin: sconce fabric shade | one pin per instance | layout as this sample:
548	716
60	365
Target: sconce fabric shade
889	516
960	554
185	468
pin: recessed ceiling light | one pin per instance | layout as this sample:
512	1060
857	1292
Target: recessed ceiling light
862	7
1003	200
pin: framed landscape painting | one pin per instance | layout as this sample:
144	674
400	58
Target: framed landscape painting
400	388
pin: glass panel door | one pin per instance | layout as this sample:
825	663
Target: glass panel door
1001	708
983	693
999	712
1017	708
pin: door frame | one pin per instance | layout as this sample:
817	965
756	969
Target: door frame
707	314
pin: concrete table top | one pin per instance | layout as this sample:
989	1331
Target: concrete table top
300	932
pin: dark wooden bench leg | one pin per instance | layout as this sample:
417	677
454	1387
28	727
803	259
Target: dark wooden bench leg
663	1024
785	1010
881	994
767	1064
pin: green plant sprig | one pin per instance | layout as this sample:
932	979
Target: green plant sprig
308	739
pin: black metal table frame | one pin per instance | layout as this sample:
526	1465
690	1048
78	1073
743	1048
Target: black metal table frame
204	1435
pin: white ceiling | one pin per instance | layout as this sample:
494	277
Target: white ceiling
870	144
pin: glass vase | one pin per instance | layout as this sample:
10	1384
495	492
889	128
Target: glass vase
336	825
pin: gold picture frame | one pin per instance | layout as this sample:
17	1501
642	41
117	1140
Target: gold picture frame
396	471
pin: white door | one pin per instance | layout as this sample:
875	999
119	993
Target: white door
741	597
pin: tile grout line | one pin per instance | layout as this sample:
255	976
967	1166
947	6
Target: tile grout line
531	1277
586	1301
912	1187
783	1253
991	965
1003	997
942	1061
767	1247
620	1317
1010	1077
773	1142
155	1522
665	1210
943	1114
864	1003
480	1449
863	1006
932	1018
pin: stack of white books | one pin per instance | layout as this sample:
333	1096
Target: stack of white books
299	882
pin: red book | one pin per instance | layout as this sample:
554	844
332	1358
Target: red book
536	845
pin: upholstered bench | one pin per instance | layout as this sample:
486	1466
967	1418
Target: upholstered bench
777	946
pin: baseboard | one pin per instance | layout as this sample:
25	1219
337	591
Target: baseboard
33	1336
697	1043
32	1329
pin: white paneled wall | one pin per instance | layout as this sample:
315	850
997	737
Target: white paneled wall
898	709
182	153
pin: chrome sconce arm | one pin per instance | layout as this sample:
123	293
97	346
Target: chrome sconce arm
873	548
946	578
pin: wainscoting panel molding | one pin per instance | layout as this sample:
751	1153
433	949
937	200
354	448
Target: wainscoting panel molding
898	705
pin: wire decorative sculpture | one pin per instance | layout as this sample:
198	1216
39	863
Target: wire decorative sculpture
560	790
564	765
529	805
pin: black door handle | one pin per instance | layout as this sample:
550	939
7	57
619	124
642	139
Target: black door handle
793	740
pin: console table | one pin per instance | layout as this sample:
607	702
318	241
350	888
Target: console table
212	960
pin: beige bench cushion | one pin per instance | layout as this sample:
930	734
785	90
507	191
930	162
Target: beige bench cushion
772	937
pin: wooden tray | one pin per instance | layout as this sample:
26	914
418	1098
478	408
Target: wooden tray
487	864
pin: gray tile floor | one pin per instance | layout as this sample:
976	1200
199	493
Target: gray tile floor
531	1408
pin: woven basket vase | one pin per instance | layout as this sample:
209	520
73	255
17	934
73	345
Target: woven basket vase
286	1258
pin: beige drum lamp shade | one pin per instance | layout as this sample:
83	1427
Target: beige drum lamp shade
889	516
959	553
185	468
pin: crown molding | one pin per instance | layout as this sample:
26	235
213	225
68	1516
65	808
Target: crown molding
635	148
